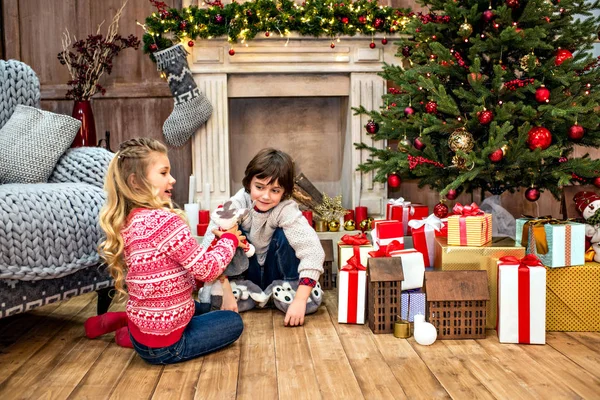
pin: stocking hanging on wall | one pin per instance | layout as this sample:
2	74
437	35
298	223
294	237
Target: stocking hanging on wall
192	108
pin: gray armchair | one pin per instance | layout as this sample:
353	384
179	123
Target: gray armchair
49	231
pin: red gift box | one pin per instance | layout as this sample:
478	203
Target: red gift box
404	211
424	232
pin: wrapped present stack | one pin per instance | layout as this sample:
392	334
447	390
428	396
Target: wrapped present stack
404	211
352	278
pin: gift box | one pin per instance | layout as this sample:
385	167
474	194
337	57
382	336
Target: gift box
455	258
556	243
521	300
423	234
573	298
352	291
386	231
469	226
412	302
413	268
346	248
404	211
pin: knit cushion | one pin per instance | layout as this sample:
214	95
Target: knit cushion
31	142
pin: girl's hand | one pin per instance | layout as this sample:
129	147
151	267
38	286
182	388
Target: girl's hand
295	313
234	231
229	302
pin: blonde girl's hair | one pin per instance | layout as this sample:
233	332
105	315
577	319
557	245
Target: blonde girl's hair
133	159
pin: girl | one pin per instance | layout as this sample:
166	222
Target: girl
150	249
287	248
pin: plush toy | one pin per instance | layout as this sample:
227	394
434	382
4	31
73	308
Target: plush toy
226	217
283	293
588	204
247	294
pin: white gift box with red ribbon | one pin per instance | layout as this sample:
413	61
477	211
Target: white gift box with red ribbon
352	290
413	268
424	231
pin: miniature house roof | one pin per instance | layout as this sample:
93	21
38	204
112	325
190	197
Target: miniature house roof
328	249
385	269
456	285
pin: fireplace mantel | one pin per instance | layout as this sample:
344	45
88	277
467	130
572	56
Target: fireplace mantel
293	66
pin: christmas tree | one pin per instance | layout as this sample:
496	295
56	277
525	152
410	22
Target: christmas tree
491	95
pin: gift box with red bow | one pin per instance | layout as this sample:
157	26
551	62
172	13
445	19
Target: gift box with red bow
404	211
469	226
352	290
521	300
424	233
412	263
346	248
385	231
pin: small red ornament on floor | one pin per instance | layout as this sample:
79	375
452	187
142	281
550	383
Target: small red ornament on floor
542	94
539	137
372	45
576	132
485	117
452	194
532	194
562	55
394	180
431	107
231	52
496	156
372	127
440	210
597	182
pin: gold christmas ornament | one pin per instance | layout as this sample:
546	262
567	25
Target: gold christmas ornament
334	226
370	223
364	225
349	225
524	62
504	149
465	29
459	163
461	139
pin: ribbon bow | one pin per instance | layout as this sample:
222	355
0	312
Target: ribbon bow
355	240
404	203
385	251
353	264
467	210
431	221
530	260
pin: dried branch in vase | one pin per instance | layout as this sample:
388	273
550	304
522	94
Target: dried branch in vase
87	60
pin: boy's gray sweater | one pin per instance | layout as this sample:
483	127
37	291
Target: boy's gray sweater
260	227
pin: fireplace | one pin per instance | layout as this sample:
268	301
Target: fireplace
295	94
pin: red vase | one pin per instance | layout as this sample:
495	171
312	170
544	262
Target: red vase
82	110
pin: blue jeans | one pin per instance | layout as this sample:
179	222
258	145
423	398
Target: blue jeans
205	333
281	263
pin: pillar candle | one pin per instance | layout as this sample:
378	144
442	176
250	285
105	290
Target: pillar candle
192	189
204	216
308	214
349	215
191	211
201	229
360	213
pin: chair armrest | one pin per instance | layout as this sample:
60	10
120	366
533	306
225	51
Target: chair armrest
82	164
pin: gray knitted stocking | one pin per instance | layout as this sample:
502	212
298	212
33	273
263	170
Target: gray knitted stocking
192	108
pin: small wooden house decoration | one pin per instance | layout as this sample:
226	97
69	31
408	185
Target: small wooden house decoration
384	284
457	303
326	279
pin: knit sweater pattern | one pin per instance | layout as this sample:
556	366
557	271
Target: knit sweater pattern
260	226
163	261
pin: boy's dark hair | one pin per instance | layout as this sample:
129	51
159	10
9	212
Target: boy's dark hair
274	164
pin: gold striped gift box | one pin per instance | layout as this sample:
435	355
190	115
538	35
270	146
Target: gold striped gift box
473	230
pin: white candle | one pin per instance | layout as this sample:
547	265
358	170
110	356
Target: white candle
206	194
192	211
192	189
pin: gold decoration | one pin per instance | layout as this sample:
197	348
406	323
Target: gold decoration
402	329
465	29
349	225
525	61
321	226
364	225
334	226
459	163
330	209
461	139
369	223
504	149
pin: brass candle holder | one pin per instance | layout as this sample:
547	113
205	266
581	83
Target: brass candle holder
321	226
402	329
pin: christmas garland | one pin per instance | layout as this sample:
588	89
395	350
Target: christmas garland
242	22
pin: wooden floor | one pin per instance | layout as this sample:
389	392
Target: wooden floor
45	355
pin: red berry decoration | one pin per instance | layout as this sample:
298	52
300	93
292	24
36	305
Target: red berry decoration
440	210
372	127
542	94
431	107
597	182
378	23
485	117
452	194
182	25
219	19
409	111
576	132
418	143
384	41
406	51
231	52
496	156
563	160
539	137
532	194
394	180
153	47
513	4
487	15
562	55
372	45
191	43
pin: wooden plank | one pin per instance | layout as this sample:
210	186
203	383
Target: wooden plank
413	374
514	358
11	30
374	376
295	370
565	371
577	351
590	339
19	354
219	374
137	381
14	327
334	374
179	381
113	91
257	377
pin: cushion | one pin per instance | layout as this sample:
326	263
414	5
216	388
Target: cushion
31	142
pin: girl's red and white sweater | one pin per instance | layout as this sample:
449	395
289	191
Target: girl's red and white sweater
163	261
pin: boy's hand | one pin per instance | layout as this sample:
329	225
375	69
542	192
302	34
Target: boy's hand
295	313
234	231
229	302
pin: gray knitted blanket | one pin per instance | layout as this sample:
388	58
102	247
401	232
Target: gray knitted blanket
49	230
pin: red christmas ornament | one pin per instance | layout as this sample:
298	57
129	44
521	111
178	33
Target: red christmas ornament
372	45
532	194
409	111
539	137
406	51
485	117
452	194
431	107
440	210
562	55
344	20
182	25
513	4
362	19
231	52
384	41
372	127
153	47
219	19
496	156
576	132
394	180
332	45
487	15
597	182
418	143
267	33
542	94
191	43
378	23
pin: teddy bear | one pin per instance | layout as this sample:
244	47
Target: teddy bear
247	294
283	293
588	204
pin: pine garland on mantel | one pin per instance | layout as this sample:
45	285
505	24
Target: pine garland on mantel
276	18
